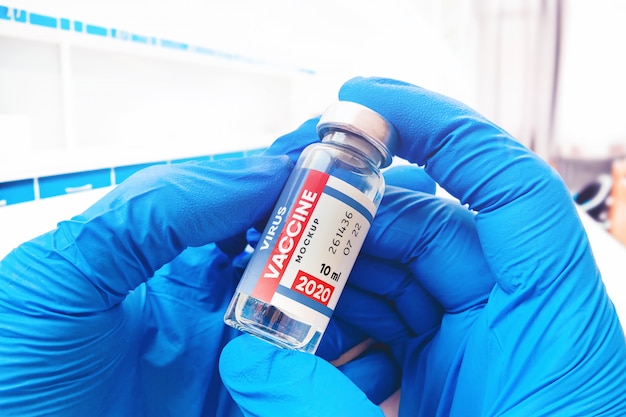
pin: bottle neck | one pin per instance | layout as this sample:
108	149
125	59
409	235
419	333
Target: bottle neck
356	143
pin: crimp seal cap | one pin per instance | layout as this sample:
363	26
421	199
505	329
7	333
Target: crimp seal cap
355	118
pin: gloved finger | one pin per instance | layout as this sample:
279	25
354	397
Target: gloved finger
372	366
359	316
376	373
339	338
410	177
278	382
522	204
202	275
385	300
91	262
292	144
182	323
234	245
437	239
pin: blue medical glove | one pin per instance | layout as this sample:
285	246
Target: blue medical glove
527	329
93	325
119	311
547	341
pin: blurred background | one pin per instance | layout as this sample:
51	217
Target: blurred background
92	91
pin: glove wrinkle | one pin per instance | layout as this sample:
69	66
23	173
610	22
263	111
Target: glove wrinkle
431	235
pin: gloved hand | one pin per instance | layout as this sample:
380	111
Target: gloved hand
83	334
119	311
527	329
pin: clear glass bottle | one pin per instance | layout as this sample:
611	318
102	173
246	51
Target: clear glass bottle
301	263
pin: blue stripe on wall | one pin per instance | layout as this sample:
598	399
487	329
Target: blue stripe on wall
96	30
139	38
19	191
19	15
166	43
42	20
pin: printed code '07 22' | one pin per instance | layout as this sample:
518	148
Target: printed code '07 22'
313	288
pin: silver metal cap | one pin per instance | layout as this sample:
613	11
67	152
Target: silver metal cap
348	116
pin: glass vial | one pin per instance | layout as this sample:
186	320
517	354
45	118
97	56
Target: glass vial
301	263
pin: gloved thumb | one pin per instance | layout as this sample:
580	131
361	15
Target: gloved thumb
410	177
266	381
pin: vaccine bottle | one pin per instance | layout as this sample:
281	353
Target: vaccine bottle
306	252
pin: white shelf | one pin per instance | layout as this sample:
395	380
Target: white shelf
76	101
56	162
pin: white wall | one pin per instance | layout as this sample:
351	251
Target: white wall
428	42
71	101
591	116
343	37
63	91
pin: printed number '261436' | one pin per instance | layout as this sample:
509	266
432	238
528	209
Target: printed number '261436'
313	288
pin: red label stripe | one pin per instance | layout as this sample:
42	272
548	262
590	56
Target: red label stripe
290	235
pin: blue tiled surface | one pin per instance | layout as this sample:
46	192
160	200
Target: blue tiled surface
14	192
41	20
76	181
97	30
20	191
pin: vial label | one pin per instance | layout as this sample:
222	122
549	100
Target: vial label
307	251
